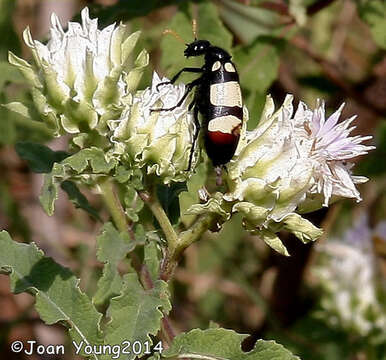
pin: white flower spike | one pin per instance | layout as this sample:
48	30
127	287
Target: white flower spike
82	77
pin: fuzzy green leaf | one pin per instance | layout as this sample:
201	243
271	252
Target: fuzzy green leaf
58	297
272	240
136	313
40	158
152	260
216	344
303	229
93	158
112	247
87	160
78	199
9	74
49	192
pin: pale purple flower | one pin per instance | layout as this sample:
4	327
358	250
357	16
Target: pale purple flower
330	147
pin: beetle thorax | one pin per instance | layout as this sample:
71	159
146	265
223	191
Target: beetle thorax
215	53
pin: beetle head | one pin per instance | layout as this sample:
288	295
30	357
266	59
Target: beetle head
197	48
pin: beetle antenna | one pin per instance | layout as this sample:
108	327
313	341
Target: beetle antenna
173	33
194	29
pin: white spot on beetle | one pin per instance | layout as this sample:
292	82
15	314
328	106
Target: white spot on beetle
216	66
229	67
226	94
225	124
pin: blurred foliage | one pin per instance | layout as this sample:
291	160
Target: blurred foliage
335	52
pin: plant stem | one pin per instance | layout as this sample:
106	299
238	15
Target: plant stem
188	237
115	208
156	208
114	205
185	239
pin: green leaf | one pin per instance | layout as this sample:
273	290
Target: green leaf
168	196
190	197
152	260
373	12
86	160
258	63
210	27
303	229
91	158
49	192
173	58
58	297
9	74
255	102
272	240
137	313
40	158
222	344
133	203
248	22
112	247
78	199
28	117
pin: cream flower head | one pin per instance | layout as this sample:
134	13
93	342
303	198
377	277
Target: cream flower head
83	76
160	142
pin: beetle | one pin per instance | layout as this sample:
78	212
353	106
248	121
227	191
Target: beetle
217	98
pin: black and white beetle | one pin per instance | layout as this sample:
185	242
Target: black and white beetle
217	98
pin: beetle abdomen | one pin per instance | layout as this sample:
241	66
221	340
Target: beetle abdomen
223	116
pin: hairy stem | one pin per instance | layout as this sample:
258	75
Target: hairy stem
191	235
117	213
114	205
185	239
156	208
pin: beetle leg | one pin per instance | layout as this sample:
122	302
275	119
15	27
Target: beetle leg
189	88
195	136
175	77
218	171
190	107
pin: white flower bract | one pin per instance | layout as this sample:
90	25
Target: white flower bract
83	77
160	141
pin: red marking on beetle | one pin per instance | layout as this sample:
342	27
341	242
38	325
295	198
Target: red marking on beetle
220	138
